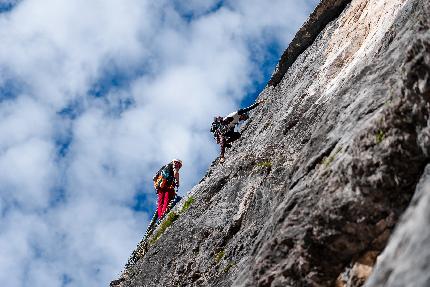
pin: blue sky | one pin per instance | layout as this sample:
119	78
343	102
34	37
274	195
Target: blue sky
94	98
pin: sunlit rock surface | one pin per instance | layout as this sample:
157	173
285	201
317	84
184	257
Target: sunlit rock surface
311	193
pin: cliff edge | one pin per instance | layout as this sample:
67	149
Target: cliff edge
311	192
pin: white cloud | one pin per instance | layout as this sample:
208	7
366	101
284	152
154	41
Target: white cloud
103	94
23	179
196	8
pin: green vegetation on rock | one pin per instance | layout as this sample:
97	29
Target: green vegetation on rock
171	217
326	161
379	137
229	266
190	200
266	164
219	256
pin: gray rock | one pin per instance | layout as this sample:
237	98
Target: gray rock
310	193
406	259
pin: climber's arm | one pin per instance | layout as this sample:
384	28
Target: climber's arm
245	110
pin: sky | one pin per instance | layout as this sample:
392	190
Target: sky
95	96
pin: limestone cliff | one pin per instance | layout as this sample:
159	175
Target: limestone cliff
311	193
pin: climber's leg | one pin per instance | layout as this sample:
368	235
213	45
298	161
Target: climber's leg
166	199
161	196
232	136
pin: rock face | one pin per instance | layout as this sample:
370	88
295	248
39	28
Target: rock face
406	259
310	194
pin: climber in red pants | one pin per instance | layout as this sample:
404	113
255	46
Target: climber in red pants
165	182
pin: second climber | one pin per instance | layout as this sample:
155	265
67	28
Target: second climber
165	182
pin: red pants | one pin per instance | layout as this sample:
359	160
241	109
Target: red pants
164	197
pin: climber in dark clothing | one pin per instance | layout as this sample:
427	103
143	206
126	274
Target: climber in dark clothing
165	182
223	128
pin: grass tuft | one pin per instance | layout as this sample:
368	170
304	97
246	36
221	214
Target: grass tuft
171	217
229	266
379	137
219	256
190	200
266	164
326	161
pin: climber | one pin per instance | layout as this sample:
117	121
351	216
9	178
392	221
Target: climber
223	128
165	182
